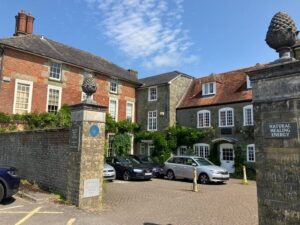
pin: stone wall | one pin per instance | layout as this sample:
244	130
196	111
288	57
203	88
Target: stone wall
276	99
161	105
39	156
188	117
178	88
168	96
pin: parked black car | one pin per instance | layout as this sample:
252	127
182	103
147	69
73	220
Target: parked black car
9	182
157	170
128	168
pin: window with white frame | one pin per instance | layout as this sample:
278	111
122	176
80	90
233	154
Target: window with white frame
182	150
201	150
130	111
152	120
251	153
53	99
249	84
110	151
152	94
113	86
84	96
22	96
209	88
150	149
226	117
143	149
248	115
113	108
203	119
55	71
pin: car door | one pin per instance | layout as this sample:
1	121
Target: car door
118	167
178	167
188	168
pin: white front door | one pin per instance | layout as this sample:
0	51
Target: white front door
227	157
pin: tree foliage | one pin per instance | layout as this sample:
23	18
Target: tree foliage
167	141
121	143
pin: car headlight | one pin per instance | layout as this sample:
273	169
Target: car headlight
12	173
137	170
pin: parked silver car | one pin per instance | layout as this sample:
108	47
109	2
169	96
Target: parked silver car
109	172
183	167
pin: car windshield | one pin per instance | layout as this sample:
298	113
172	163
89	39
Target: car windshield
146	159
203	162
129	160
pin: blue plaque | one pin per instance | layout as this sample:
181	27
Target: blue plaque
94	130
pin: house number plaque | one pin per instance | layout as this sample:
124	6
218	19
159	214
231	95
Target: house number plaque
281	130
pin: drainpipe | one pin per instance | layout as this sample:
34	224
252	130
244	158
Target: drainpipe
1	65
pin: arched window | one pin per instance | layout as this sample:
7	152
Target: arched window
203	119
226	117
248	115
251	153
201	150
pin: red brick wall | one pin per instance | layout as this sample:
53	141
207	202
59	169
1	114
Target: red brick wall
24	66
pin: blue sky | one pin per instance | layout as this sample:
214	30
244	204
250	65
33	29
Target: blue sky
197	37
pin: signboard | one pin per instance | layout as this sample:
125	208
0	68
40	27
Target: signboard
281	130
75	133
94	130
91	188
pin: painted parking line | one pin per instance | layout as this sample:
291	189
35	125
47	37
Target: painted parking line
71	221
13	207
30	214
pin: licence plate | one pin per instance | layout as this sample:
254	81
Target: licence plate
148	174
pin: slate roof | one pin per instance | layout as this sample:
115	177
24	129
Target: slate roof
43	46
160	79
231	87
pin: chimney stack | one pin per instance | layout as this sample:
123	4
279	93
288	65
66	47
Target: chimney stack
132	72
24	23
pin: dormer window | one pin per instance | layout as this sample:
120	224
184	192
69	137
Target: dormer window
55	71
249	84
113	86
152	94
209	88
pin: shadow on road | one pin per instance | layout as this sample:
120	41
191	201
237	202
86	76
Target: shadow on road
8	201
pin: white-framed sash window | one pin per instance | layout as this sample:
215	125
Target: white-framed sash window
53	99
226	117
152	120
203	119
22	96
248	115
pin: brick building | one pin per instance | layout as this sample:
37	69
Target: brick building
40	75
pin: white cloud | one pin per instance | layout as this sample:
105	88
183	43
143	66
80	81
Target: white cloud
147	30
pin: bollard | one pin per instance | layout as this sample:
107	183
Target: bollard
195	184
244	181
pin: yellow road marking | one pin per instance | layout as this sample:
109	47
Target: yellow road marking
13	207
30	214
71	221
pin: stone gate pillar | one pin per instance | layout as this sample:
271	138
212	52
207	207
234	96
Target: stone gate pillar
86	158
276	103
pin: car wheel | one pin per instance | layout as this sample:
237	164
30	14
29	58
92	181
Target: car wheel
170	175
1	192
126	176
203	178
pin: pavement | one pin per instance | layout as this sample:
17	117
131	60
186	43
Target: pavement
156	202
